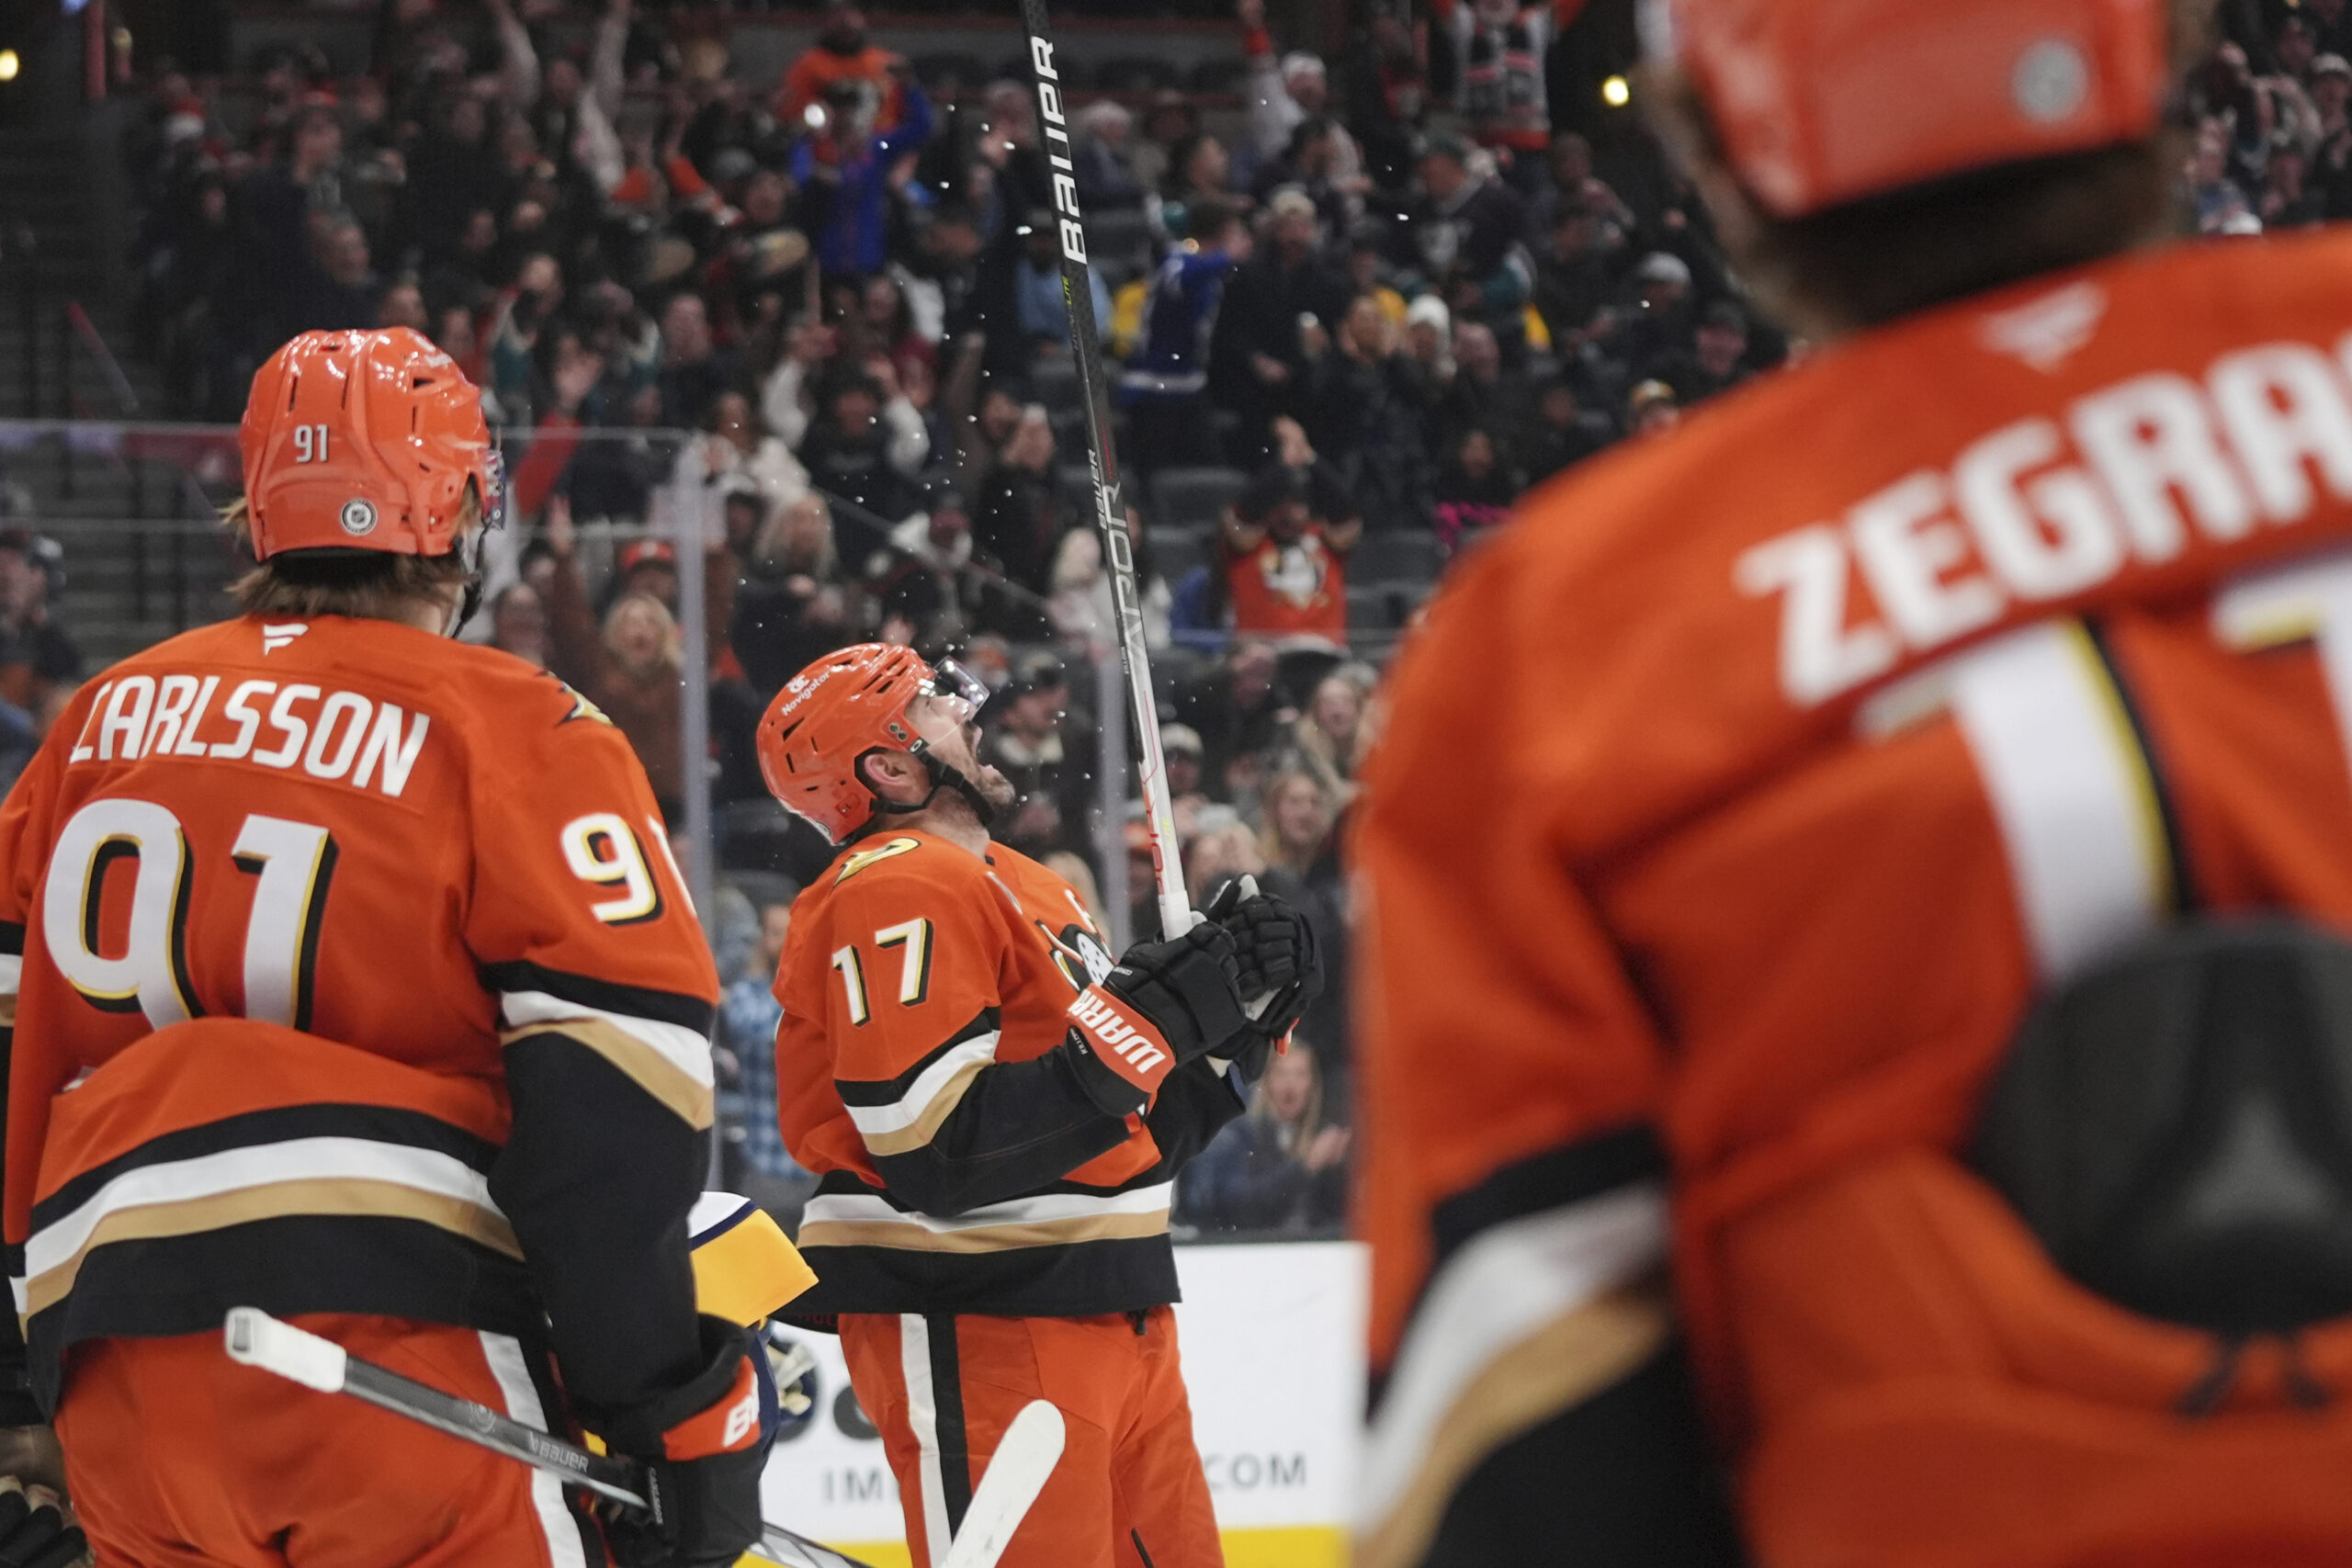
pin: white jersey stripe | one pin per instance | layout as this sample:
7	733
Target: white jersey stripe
923	1415
908	1109
1504	1285
680	1047
2069	787
230	1170
514	1374
842	1208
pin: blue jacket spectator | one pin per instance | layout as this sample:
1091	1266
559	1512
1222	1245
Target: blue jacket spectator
846	174
748	1015
1168	371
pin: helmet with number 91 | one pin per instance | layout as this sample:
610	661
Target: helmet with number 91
845	706
365	441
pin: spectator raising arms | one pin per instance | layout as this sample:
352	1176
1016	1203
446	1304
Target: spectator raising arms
627	665
1275	302
840	54
794	601
1163	385
1285	542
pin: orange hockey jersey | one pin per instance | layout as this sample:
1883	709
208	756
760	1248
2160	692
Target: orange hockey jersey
1735	804
349	973
922	1072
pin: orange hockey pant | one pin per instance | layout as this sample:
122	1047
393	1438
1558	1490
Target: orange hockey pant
1129	1491
176	1457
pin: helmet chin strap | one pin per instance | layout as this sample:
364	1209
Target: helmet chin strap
943	777
470	552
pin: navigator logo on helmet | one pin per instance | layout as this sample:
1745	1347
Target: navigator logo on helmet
1818	105
841	709
366	443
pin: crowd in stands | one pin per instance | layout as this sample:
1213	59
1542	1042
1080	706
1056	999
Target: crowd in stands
1353	311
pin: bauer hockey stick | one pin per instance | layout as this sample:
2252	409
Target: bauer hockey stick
256	1339
1024	1457
1110	510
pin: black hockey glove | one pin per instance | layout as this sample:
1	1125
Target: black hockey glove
33	1529
1166	1004
702	1451
1281	969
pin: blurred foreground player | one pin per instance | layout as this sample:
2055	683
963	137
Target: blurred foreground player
998	1115
356	984
1907	893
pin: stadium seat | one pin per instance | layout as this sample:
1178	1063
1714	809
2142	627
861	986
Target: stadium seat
1371	610
762	887
948	71
1118	241
761	835
1176	551
1134	73
1191	498
1074	74
1405	556
1054	381
1223	75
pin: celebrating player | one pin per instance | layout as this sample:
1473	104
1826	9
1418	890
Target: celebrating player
998	1115
356	984
1860	773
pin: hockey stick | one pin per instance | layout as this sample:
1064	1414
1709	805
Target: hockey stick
1024	1457
1110	511
256	1339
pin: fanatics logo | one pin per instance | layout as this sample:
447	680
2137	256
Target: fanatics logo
274	637
2048	332
358	517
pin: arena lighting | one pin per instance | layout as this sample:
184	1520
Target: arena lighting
9	65
1616	92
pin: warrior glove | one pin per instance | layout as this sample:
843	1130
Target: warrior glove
1281	969
1167	1003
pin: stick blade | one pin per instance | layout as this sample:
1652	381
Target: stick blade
782	1547
254	1338
1024	1458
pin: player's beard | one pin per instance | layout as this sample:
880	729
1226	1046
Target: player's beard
995	788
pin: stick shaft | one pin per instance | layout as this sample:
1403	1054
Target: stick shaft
1110	511
607	1475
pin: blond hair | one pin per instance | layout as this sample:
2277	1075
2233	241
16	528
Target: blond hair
1269	837
673	653
371	585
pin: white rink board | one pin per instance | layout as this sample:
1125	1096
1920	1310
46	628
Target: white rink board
1271	1338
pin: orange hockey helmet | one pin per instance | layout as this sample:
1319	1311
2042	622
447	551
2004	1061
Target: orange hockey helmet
365	441
1818	103
845	706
